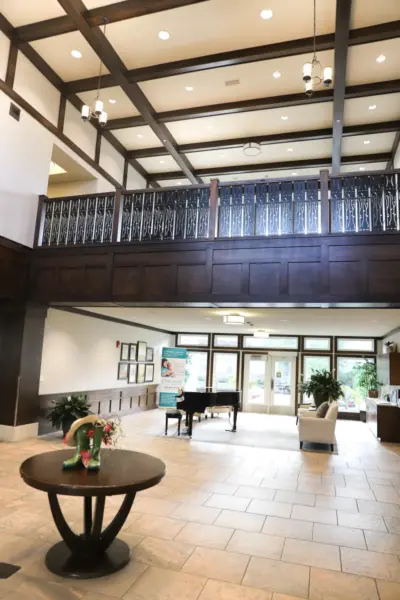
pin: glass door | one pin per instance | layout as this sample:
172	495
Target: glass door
269	384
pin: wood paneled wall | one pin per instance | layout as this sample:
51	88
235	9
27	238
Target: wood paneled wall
14	263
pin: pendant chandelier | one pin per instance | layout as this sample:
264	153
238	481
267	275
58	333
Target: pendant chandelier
95	110
313	72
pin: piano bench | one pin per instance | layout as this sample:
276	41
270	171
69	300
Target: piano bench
173	415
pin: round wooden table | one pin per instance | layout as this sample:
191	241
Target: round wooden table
95	552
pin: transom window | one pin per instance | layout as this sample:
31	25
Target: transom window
322	344
196	340
226	341
355	345
271	343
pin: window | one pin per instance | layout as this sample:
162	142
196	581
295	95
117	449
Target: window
197	340
196	371
353	397
224	371
317	343
313	363
355	345
226	341
272	343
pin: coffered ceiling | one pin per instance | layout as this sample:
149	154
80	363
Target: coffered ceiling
226	76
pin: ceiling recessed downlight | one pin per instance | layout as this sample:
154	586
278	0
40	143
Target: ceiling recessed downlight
252	149
284	118
294	174
233	319
162	162
381	58
112	101
367	141
76	53
266	14
372	107
290	149
276	74
140	135
189	88
362	168
163	35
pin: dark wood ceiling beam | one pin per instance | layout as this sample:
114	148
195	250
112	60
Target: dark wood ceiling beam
279	138
120	11
273	166
342	34
105	51
395	147
215	110
363	35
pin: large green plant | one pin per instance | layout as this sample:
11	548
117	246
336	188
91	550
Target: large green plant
323	386
367	377
67	409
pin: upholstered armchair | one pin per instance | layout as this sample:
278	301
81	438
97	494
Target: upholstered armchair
313	429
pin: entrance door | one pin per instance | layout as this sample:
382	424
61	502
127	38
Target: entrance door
269	384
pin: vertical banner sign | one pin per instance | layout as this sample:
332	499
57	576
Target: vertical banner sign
173	365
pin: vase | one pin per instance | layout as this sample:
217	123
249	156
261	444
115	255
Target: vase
66	424
320	399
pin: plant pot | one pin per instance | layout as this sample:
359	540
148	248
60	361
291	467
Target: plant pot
66	424
373	394
320	399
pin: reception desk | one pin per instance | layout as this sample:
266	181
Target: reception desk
383	419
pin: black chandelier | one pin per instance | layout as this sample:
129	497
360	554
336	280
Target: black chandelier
313	72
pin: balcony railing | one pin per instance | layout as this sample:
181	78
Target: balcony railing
294	206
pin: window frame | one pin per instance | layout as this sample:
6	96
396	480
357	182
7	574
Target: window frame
237	352
272	348
312	337
355	352
237	335
178	345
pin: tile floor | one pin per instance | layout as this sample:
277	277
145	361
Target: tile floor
228	522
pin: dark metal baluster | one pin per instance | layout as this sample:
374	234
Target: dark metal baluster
99	220
62	238
55	226
286	207
312	207
261	209
48	217
169	215
391	215
73	220
349	204
147	216
299	207
127	205
273	208
191	215
90	220
248	210
336	205
204	213
80	228
108	219
377	219
136	216
180	215
158	220
224	215
363	216
237	211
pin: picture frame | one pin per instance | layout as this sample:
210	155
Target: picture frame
141	351
124	352
123	370
150	355
132	352
132	373
149	373
141	371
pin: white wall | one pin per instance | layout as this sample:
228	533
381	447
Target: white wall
74	188
134	181
82	134
4	50
79	353
396	161
112	161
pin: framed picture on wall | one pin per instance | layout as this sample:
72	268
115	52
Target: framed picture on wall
132	351
149	373
141	351
124	352
141	373
149	354
123	370
132	373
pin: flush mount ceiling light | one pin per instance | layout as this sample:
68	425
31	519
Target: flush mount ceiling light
163	35
266	14
112	101
290	149
372	107
367	141
233	319
252	149
276	74
284	118
381	58
313	72
362	168
294	174
140	135
76	53
95	110
189	88
261	333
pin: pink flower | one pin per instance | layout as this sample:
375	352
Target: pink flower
107	428
90	433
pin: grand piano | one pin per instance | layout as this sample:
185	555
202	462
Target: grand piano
197	402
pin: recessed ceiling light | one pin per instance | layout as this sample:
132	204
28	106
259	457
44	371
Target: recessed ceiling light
76	54
179	182
372	107
294	174
367	141
112	101
233	319
266	14
222	155
362	168
163	35
276	74
140	135
290	149
381	58
189	88
284	118
162	162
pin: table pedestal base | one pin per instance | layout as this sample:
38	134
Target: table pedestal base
61	561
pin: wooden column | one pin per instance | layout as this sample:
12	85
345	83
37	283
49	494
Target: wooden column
39	219
11	65
125	176
61	114
213	208
325	216
117	213
98	147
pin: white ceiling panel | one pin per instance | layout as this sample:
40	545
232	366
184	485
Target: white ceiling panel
123	107
300	173
215	26
362	66
22	12
136	138
174	182
256	81
159	164
357	111
378	142
365	13
379	166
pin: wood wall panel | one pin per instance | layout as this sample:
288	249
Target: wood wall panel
345	276
384	277
160	282
193	279
264	279
126	282
304	279
227	279
13	270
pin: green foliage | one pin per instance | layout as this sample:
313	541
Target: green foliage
367	376
322	384
66	408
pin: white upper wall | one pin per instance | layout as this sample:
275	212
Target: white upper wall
82	134
134	181
80	353
36	89
4	50
397	158
111	160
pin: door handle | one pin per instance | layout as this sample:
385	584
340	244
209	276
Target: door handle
272	384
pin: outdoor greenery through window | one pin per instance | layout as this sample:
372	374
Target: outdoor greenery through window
355	345
353	400
317	343
224	371
314	363
196	371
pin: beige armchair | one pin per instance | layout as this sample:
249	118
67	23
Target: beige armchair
313	429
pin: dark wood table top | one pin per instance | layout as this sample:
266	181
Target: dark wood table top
121	472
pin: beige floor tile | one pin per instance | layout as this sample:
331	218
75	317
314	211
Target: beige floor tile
277	576
284	597
200	534
295	498
160	527
219	590
162	553
16	549
323	489
356	493
289	528
243	479
329	585
370	564
386	494
154	506
339	536
195	497
388	590
268	507
382	542
255	493
360	521
240	520
343	504
316	515
19	522
37	589
288	484
228	502
217	564
216	487
199	514
385	509
256	544
312	554
392	524
162	584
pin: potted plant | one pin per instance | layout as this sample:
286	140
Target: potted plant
389	347
66	410
323	386
368	379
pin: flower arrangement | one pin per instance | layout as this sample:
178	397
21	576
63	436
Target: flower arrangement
112	431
